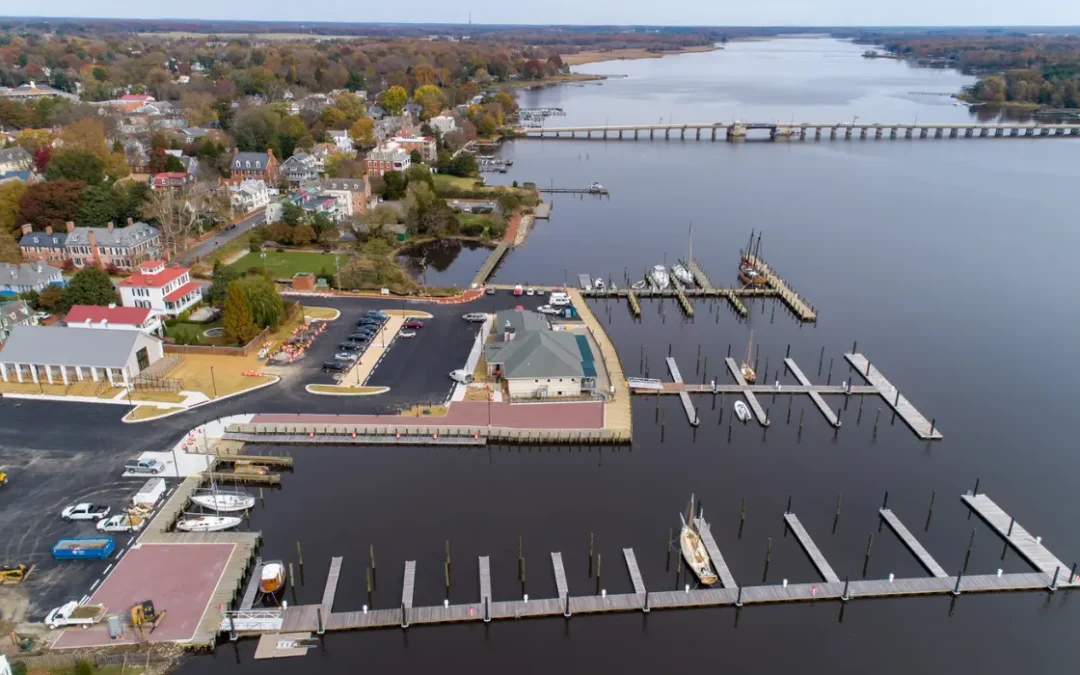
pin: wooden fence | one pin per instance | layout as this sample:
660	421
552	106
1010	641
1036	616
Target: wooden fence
255	343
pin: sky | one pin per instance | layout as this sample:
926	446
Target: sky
619	12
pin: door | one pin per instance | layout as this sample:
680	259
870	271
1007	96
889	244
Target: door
143	359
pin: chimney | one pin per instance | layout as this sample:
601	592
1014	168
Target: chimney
508	332
27	228
70	226
110	226
130	221
112	305
48	229
93	243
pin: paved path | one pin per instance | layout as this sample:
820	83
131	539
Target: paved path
578	415
215	242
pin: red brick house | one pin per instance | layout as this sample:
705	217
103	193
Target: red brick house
254	166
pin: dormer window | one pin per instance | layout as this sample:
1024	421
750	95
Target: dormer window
247	164
258	165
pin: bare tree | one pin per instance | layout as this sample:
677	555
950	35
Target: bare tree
175	217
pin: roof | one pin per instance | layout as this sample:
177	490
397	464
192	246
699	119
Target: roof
131	235
40	239
124	316
26	274
338	133
68	346
520	321
195	132
350	184
137	97
12	313
154	280
24	176
538	354
181	292
15	154
263	158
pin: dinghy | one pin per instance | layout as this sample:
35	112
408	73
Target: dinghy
742	411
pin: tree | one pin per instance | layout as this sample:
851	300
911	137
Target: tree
393	100
11	193
463	165
341	165
267	307
351	105
99	204
303	234
292	215
51	202
221	277
419	173
487	124
174	217
415	158
236	317
174	165
85	135
116	166
89	286
362	132
279	232
9	248
158	160
41	158
431	99
76	165
49	297
393	185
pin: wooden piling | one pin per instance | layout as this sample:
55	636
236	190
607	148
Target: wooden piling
299	553
667	563
598	561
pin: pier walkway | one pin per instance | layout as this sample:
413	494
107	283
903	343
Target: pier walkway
719	564
309	617
822	565
699	275
914	419
488	268
792	299
1027	545
925	559
759	412
561	586
814	396
688	405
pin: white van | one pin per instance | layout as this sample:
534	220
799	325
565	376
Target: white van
559	299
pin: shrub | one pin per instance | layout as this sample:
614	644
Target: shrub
472	229
18	668
84	668
170	322
254	246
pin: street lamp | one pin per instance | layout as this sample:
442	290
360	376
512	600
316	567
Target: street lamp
213	380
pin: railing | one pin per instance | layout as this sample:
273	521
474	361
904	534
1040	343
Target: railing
644	383
252	620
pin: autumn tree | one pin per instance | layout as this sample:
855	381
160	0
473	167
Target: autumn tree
393	100
236	317
351	105
431	99
75	164
9	248
85	135
362	132
11	194
174	217
51	202
116	165
341	165
303	235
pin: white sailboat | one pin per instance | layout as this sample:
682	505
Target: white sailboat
683	275
194	523
742	411
693	550
224	502
659	276
747	371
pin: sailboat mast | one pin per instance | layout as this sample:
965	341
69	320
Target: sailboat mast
690	513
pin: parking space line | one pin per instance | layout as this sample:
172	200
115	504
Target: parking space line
95	585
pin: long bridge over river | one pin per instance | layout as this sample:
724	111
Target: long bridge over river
780	131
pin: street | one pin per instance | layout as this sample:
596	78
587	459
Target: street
203	248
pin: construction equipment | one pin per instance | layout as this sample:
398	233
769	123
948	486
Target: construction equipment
14	574
144	614
3	478
23	644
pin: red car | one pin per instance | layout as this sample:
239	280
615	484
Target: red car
414	324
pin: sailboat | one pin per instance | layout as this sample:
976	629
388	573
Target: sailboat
747	372
660	277
195	523
224	502
683	275
749	262
693	550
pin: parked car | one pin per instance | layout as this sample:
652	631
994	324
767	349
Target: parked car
369	322
378	314
350	347
144	466
346	356
85	511
335	366
548	309
530	291
490	290
230	226
121	523
407	334
414	324
461	376
41	316
475	317
360	337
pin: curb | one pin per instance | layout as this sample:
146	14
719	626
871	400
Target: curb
125	419
382	390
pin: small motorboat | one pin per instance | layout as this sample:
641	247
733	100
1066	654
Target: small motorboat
742	411
225	502
207	523
596	187
683	275
272	578
599	284
638	285
660	277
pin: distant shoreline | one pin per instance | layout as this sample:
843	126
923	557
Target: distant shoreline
582	58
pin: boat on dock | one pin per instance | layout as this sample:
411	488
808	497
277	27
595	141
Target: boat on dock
224	502
749	272
660	277
693	550
747	371
683	275
207	523
599	284
742	411
272	578
597	188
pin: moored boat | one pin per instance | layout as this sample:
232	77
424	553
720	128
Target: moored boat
750	272
272	578
660	277
207	523
683	275
693	550
599	284
748	372
638	285
224	502
742	411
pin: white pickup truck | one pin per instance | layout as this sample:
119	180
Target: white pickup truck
74	614
85	511
121	523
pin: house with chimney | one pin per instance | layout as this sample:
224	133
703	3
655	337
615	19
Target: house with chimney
352	194
387	157
18	278
123	247
254	166
301	167
115	318
46	246
166	290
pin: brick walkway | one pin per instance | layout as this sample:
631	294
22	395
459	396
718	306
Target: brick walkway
578	415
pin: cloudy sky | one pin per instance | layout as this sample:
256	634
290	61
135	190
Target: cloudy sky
684	12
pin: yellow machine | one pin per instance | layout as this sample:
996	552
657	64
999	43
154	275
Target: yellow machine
14	574
3	478
144	614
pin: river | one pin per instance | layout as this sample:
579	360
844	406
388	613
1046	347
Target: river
946	260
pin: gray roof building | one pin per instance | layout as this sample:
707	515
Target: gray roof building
250	161
44	239
520	321
122	237
349	184
19	277
76	347
537	354
13	314
15	159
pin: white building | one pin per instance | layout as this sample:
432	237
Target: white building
62	355
444	123
341	140
166	291
249	195
114	318
535	361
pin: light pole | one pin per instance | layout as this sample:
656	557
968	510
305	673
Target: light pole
213	381
853	118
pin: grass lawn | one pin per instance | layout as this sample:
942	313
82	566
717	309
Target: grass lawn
344	390
187	332
284	264
475	219
445	180
145	412
326	313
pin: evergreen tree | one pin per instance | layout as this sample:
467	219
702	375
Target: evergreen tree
236	319
89	286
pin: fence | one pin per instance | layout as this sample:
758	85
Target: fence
256	342
67	660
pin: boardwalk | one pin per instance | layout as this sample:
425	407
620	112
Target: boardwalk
489	265
914	419
814	396
408	584
561	586
1026	544
635	573
330	590
699	275
811	548
688	405
925	559
758	411
718	562
252	590
485	579
800	307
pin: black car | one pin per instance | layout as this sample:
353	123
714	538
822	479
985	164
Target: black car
335	366
366	330
375	313
369	322
350	346
360	337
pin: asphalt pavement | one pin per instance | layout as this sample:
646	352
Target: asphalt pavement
223	237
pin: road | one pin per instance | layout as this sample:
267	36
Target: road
221	238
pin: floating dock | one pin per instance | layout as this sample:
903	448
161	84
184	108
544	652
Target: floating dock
814	396
699	275
688	405
315	617
907	412
755	406
925	559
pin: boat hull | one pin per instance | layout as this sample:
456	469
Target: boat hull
208	524
225	503
696	557
742	411
272	578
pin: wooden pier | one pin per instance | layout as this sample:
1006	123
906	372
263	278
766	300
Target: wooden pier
801	308
251	592
687	306
330	590
275	461
925	559
719	564
574	191
312	617
731	295
822	565
488	268
745	388
635	306
814	396
907	412
252	478
699	275
688	405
